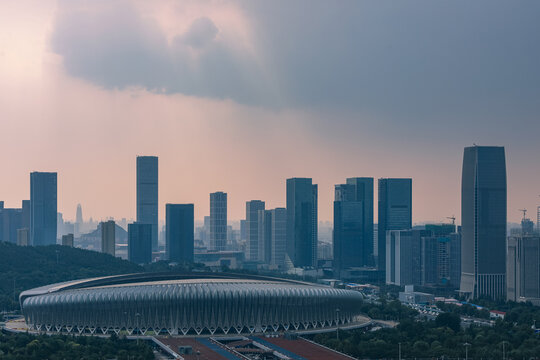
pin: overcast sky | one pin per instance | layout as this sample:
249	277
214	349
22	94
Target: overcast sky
237	96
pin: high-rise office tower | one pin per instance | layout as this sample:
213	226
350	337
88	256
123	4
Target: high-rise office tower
348	224
140	243
441	256
43	208
265	236
218	221
243	232
78	215
180	230
252	229
10	222
25	224
278	241
147	194
302	222
404	256
67	240
395	213
353	224
108	238
78	227
363	192
523	268
538	219
483	219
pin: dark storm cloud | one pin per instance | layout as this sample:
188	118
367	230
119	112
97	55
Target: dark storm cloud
415	58
201	32
114	46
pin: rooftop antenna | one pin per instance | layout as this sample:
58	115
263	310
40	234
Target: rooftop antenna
453	218
524	211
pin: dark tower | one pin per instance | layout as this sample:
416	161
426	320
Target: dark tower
483	222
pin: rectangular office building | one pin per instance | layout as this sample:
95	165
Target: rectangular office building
147	194
108	237
43	208
395	213
140	243
252	230
180	232
483	219
218	221
523	268
302	223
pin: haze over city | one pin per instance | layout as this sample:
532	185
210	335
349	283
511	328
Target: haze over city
277	180
232	99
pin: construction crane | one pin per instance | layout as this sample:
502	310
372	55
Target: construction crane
524	211
453	218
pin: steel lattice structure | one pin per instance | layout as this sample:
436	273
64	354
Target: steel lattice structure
205	303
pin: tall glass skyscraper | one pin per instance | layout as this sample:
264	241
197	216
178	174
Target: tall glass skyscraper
353	224
483	222
218	221
395	213
179	232
43	208
140	243
348	225
302	221
252	230
147	194
108	237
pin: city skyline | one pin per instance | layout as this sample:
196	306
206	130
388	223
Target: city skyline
341	107
200	214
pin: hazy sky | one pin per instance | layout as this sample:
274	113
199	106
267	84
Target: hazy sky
237	96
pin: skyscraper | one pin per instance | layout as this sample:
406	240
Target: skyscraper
147	194
25	214
538	219
218	221
441	256
180	232
348	224
265	236
43	208
363	192
353	224
302	222
523	268
78	221
108	238
252	229
10	222
404	256
483	218
278	245
395	213
140	243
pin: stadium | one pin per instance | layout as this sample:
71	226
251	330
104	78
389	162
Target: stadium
194	304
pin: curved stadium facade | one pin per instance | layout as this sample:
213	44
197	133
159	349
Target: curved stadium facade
187	304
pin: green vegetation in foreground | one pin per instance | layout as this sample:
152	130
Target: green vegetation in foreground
27	267
60	347
421	338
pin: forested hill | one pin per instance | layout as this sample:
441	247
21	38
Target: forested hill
26	267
